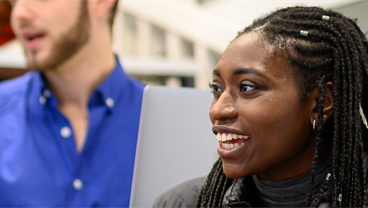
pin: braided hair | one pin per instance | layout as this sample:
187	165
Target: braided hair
325	46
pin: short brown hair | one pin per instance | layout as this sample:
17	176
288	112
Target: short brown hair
112	13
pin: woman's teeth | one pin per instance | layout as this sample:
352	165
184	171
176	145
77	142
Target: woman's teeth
223	137
230	146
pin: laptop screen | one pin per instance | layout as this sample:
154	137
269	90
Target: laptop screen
175	141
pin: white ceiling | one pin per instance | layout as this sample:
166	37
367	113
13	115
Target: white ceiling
215	23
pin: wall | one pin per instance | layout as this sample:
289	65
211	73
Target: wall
357	10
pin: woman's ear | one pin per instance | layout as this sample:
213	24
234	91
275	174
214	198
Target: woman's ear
327	105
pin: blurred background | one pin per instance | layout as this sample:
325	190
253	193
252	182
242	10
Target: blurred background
174	42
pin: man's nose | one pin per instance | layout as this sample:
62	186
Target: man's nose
21	13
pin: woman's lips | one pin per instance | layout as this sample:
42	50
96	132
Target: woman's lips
230	144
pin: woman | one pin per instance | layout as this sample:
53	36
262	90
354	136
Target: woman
289	96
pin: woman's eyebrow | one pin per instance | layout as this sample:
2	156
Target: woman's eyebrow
216	72
241	71
248	71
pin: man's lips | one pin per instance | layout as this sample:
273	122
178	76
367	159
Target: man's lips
32	38
33	43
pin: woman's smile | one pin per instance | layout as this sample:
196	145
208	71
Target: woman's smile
231	144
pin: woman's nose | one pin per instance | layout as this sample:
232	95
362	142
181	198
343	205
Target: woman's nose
223	108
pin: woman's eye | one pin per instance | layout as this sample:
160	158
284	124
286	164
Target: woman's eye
215	88
247	88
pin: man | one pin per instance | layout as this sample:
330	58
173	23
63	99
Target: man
69	127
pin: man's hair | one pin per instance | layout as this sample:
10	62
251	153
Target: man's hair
324	46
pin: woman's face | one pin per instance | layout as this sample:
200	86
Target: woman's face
258	115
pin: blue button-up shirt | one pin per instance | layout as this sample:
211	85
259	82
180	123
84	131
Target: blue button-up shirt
39	165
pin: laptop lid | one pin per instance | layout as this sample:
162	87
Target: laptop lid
175	141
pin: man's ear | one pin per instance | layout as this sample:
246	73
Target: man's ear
327	105
100	8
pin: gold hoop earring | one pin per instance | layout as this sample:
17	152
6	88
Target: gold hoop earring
314	124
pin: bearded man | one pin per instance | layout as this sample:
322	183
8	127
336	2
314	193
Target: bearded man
69	127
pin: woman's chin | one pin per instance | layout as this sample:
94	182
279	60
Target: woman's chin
233	172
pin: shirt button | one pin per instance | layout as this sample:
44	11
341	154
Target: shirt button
109	102
65	132
46	93
77	184
42	100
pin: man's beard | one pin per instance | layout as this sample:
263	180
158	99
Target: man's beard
67	45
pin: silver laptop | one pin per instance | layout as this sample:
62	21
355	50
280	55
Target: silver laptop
175	141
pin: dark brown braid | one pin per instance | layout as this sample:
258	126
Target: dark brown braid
334	50
214	188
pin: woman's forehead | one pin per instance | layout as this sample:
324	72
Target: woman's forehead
251	51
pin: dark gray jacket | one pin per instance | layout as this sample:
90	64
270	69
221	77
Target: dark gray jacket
240	194
182	195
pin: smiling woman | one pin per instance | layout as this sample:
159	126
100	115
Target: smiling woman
290	97
256	97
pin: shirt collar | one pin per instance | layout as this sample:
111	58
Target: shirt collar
110	88
106	93
39	90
